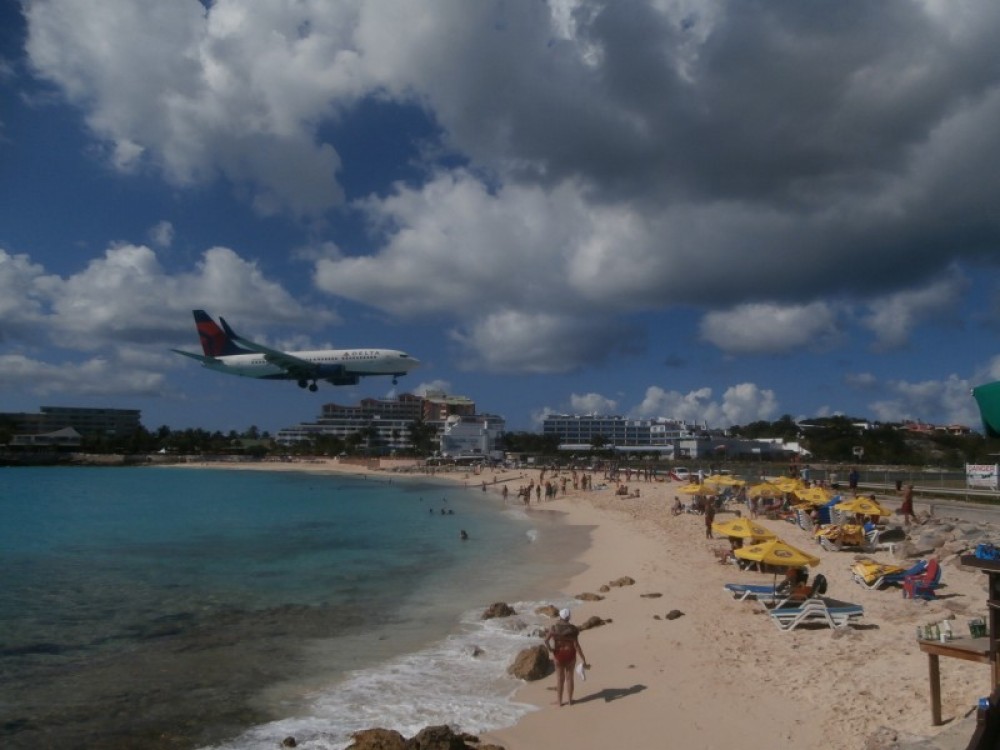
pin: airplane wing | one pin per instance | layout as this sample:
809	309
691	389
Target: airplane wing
295	366
204	360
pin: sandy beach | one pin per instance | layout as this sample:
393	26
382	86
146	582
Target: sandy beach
723	672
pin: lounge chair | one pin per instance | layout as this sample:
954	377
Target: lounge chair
744	591
872	575
818	610
923	586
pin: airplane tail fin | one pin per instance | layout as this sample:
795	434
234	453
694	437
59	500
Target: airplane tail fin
215	341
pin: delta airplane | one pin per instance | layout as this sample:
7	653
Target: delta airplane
227	352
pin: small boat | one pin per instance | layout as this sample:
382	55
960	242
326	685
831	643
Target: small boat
988	399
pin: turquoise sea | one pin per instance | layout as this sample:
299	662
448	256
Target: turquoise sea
185	608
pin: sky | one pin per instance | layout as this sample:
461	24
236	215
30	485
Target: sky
720	212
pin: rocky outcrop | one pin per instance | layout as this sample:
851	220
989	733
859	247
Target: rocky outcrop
674	614
440	737
532	664
548	610
589	597
498	609
593	622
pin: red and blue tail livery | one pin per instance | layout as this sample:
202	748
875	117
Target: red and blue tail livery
228	352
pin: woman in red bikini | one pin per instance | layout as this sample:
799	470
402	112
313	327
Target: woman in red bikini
562	641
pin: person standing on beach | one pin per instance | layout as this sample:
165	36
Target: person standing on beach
563	642
709	515
906	509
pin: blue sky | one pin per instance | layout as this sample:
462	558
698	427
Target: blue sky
715	211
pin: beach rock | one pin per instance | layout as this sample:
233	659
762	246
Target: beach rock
498	609
593	622
623	581
654	595
437	738
548	610
674	614
289	742
476	651
532	664
377	739
605	588
588	597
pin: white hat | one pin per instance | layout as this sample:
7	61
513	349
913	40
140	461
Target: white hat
564	614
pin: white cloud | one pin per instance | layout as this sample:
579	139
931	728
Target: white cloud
770	328
437	386
893	318
740	404
934	401
125	297
98	376
592	403
162	234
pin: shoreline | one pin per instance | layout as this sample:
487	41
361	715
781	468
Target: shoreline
703	678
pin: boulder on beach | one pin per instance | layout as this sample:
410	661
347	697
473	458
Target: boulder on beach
589	597
593	622
498	609
674	614
532	664
548	610
623	581
377	739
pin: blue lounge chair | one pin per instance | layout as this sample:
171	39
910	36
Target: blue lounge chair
743	591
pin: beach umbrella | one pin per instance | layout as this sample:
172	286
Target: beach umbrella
776	552
696	489
789	484
863	505
815	495
765	489
724	480
743	528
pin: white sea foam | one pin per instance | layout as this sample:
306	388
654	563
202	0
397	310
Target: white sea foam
449	682
533	535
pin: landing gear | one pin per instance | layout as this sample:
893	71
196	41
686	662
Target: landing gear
312	387
303	383
394	380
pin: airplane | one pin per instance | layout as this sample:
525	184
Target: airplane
226	351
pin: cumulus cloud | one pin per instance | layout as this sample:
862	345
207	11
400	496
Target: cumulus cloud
99	376
541	343
616	159
934	401
893	318
162	234
770	329
740	404
592	403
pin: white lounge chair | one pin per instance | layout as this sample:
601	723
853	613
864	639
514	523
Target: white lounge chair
825	611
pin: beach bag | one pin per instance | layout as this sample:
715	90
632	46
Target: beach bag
987	551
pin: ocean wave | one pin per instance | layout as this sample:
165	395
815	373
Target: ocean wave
461	681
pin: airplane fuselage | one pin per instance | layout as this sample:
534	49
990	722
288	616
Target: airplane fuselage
330	363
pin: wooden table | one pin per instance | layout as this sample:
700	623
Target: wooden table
970	649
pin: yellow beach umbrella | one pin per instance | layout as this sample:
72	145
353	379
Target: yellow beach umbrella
765	489
789	484
864	506
696	489
724	480
743	528
776	552
815	495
